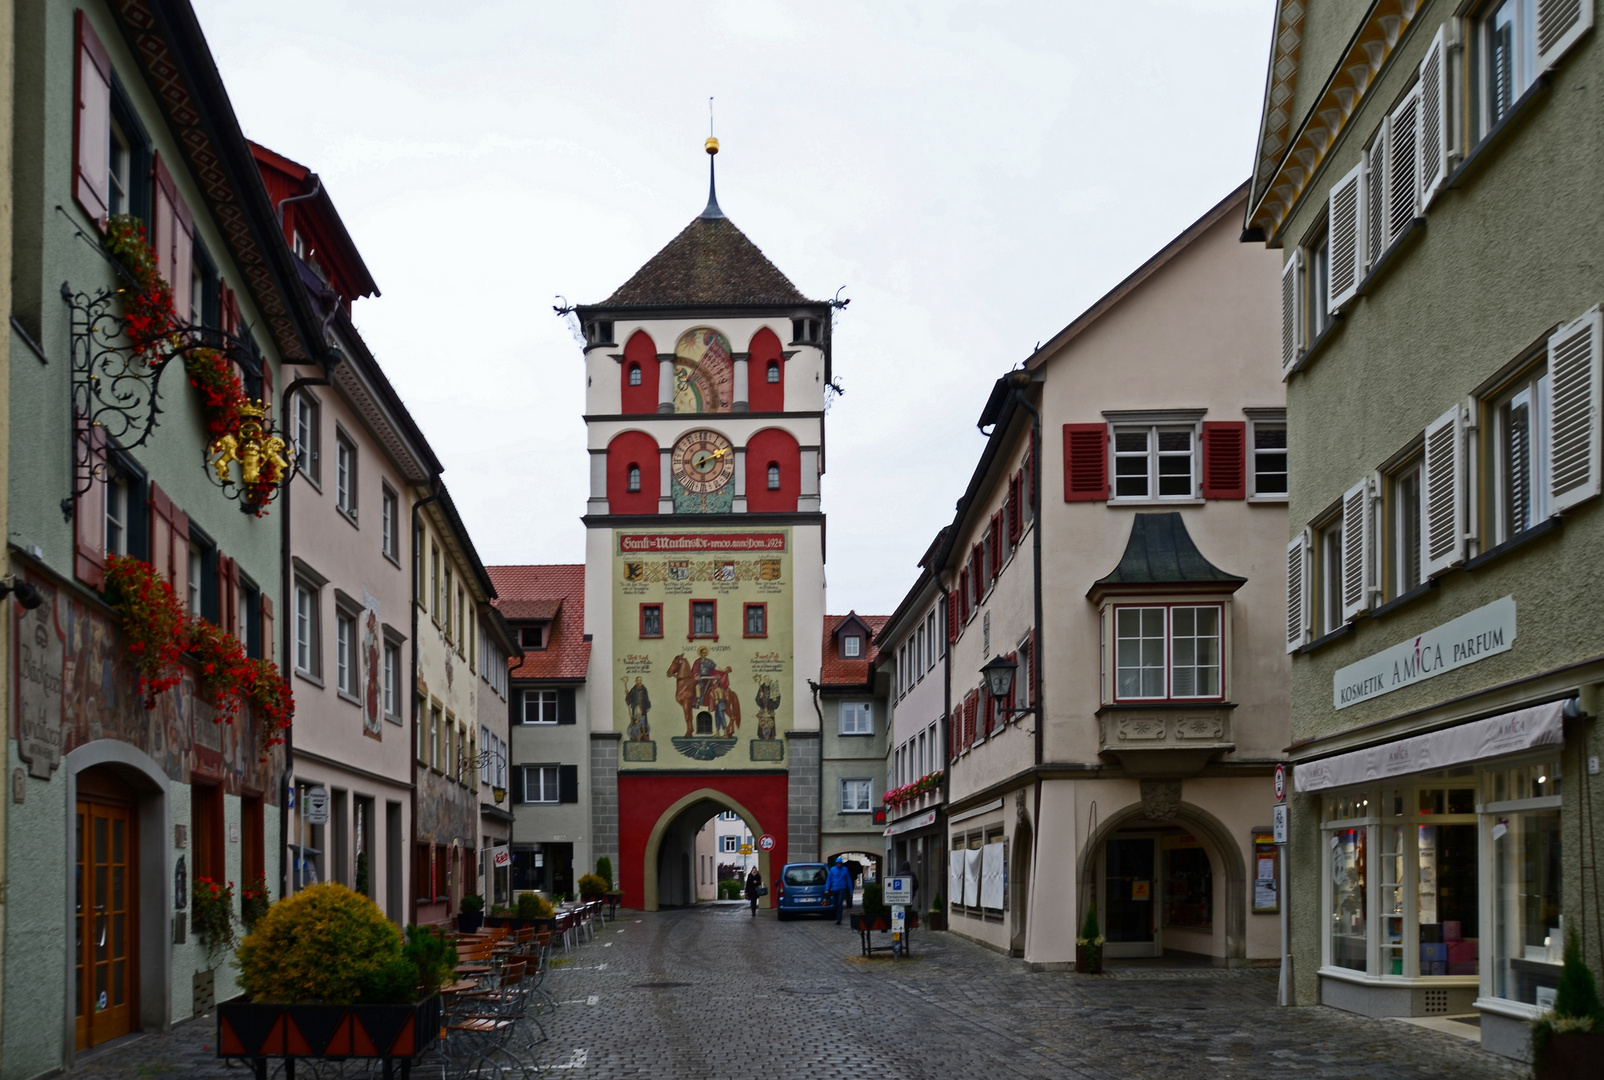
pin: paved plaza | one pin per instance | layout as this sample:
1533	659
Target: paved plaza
712	992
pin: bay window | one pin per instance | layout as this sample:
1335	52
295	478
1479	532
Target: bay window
1168	652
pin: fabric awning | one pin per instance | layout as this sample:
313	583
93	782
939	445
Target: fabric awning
1509	733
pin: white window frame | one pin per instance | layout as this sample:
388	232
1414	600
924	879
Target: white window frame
1402	548
116	523
308	630
390	525
1525	55
856	718
1153	456
1530	390
1267	422
542	698
553	789
392	682
861	791
345	473
729	844
1327	594
851	647
347	664
1221	666
309	437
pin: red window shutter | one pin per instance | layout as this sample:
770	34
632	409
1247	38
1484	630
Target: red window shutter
1015	526
227	595
161	533
1085	462
89	512
1008	702
267	627
91	124
1225	459
174	238
180	554
164	218
952	616
963	597
977	571
996	545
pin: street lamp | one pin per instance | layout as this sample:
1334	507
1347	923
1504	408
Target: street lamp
999	675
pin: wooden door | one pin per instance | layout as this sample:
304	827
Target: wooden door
105	921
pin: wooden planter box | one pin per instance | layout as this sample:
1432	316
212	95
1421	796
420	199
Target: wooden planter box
1089	959
1571	1055
395	1033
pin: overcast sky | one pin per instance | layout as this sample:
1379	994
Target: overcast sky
976	174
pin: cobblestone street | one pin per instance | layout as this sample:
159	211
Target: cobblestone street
711	992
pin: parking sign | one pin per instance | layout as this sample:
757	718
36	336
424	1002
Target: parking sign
898	890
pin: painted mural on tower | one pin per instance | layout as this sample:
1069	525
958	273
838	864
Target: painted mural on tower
704	372
702	652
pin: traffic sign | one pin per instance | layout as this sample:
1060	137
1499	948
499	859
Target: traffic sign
1280	782
766	842
1281	823
746	849
898	890
316	811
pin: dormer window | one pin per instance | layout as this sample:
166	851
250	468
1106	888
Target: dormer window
535	636
851	647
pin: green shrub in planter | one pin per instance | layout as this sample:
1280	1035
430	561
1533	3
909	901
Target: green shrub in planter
472	903
874	899
604	870
531	905
1577	1008
324	944
592	885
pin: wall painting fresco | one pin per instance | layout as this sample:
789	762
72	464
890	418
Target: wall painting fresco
704	372
74	685
702	649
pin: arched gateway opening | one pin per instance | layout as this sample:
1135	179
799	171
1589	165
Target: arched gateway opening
670	863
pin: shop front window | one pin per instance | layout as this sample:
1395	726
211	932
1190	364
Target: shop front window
1188	886
1348	898
1528	941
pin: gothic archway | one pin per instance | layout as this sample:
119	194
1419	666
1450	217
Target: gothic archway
1231	884
698	805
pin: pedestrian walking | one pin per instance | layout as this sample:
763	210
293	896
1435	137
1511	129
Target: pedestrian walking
838	883
754	889
906	871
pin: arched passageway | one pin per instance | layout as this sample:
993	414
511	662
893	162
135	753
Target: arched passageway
671	849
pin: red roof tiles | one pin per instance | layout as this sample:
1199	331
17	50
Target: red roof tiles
555	592
841	672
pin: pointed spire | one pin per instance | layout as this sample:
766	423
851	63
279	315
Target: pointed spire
712	210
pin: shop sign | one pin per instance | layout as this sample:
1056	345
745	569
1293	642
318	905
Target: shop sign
1473	636
1507	733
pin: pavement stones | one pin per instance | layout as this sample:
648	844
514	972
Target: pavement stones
711	992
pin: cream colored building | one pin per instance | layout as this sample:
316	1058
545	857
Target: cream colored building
1131	770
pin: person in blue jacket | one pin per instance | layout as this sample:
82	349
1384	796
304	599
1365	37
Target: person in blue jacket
838	883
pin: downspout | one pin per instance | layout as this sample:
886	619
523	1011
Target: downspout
332	358
1021	381
818	843
412	691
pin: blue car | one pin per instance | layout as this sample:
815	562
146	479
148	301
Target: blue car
802	890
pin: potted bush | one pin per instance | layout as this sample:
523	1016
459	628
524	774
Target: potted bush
1089	946
876	916
471	915
604	870
938	914
326	975
592	886
1569	1040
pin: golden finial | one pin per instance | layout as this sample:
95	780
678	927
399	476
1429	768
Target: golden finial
712	145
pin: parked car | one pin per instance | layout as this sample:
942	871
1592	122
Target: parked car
802	890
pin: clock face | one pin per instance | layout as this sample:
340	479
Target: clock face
703	462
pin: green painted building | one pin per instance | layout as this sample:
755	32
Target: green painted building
116	809
1429	172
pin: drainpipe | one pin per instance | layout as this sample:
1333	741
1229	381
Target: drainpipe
818	843
436	490
1020	381
332	358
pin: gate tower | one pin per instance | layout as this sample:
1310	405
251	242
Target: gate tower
704	557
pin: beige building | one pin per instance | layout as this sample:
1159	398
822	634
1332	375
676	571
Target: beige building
453	594
1131	769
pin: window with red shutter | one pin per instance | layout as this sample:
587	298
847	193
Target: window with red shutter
1225	459
173	239
996	545
89	509
952	617
267	627
1015	525
963	597
91	124
1085	462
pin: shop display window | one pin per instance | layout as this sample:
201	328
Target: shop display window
1348	910
1527	944
1188	887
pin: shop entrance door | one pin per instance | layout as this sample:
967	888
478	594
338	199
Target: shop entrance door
1130	891
105	923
